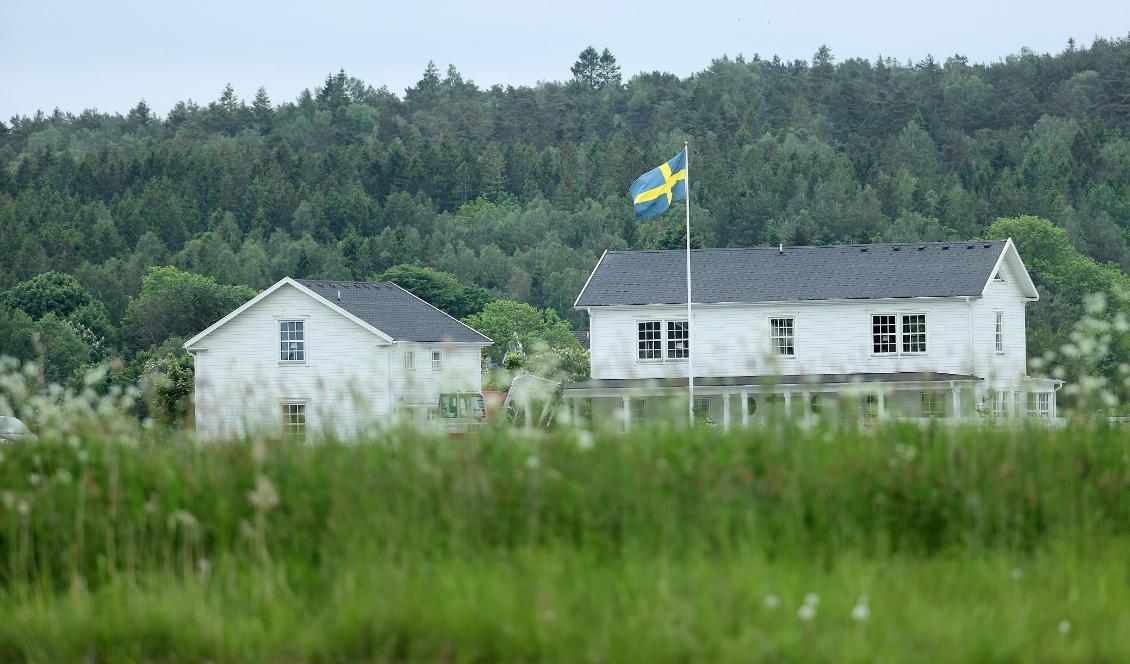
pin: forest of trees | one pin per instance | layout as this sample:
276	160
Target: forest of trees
514	192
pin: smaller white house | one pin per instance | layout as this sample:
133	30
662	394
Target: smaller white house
333	358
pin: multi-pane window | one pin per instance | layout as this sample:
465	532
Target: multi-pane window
884	334
1040	404
409	360
998	334
294	421
678	336
658	340
998	401
650	340
639	410
914	333
891	333
702	408
782	336
292	341
933	404
437	360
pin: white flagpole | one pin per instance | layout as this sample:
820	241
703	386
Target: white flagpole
690	326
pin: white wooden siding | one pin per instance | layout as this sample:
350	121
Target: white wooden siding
831	337
351	382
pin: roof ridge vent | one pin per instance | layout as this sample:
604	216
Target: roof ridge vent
781	249
921	247
863	249
895	248
945	247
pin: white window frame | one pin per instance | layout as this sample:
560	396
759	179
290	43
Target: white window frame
1000	278
774	348
900	336
639	410
670	352
998	332
279	341
437	360
1039	404
998	403
409	360
644	345
932	404
293	429
662	340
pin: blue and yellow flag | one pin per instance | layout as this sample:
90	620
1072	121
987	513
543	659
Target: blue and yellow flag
653	191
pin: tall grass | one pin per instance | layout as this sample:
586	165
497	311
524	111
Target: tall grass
662	544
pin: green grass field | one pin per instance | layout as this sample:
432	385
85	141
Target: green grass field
781	544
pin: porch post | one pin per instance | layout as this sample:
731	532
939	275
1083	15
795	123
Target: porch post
1051	402
627	402
726	411
573	410
745	407
806	408
881	405
788	405
956	393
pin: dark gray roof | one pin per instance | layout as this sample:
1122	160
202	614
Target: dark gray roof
838	272
770	381
394	311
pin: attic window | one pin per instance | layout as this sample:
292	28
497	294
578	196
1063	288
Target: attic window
292	341
999	278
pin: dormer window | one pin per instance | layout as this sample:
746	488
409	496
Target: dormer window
292	341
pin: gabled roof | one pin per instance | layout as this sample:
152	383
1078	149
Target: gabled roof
395	311
773	274
383	308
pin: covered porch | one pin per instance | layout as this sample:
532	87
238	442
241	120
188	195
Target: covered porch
747	400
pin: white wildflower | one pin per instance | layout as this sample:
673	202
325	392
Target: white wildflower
183	519
23	508
812	598
806	612
34	479
1017	574
585	440
532	462
860	612
264	497
1064	627
771	601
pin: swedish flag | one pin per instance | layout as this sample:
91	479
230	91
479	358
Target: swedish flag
653	191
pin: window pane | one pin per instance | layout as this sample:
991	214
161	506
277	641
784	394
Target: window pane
294	420
678	339
292	341
781	336
884	334
914	333
650	340
999	335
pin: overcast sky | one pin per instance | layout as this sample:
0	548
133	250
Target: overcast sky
108	54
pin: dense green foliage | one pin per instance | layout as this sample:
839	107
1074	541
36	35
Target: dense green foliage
514	192
507	546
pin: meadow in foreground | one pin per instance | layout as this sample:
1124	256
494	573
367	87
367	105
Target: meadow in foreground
889	544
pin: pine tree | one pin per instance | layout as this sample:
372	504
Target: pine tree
586	70
262	110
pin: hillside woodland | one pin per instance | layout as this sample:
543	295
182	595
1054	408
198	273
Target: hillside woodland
124	234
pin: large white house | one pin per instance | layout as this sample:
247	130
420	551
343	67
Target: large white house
914	330
333	358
